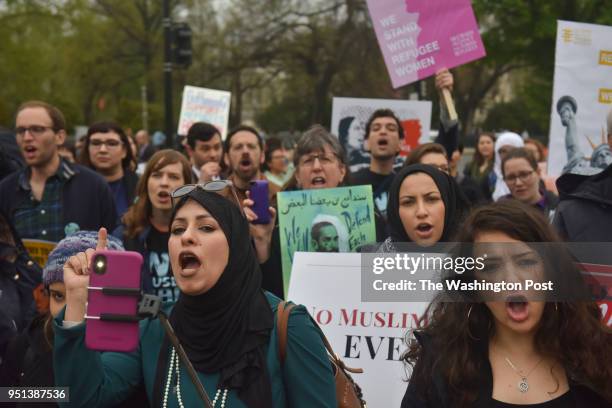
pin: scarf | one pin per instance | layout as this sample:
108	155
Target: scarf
227	328
455	203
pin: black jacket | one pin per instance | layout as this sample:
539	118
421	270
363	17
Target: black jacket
130	181
17	281
10	156
439	397
29	363
584	213
87	201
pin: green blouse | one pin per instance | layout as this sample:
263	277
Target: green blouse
105	379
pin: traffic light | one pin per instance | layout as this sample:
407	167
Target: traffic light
181	47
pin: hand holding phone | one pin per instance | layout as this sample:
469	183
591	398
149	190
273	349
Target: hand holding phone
76	279
259	194
112	307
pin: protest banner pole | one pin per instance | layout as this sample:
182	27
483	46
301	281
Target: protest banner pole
450	105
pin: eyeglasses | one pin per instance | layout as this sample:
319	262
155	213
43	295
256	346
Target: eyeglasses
325	160
110	143
523	176
215	186
35	130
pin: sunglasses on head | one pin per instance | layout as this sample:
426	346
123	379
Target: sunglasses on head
215	186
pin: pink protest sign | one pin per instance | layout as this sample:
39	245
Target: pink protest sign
419	37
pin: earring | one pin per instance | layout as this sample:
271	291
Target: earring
469	312
556	307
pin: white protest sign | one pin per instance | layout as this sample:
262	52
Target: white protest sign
350	116
204	105
582	99
364	335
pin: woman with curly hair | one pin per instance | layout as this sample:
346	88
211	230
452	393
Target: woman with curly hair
516	352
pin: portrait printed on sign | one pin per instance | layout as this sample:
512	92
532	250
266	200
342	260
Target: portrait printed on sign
350	117
324	220
580	118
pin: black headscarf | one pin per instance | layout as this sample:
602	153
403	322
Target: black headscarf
455	203
227	329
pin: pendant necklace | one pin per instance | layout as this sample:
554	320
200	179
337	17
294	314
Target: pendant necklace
523	385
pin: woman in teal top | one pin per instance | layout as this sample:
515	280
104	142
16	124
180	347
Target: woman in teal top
223	319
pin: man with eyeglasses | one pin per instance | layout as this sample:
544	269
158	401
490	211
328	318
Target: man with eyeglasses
52	198
107	151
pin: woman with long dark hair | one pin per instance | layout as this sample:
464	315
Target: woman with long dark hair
482	163
487	353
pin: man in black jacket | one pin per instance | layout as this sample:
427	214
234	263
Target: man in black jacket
52	198
107	151
584	213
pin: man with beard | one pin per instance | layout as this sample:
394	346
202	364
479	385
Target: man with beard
383	134
244	155
324	237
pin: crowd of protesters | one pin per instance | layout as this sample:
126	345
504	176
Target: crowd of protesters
219	271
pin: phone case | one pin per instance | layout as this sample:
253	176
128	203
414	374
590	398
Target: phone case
122	271
259	195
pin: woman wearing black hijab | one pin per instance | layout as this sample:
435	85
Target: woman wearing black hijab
425	206
222	318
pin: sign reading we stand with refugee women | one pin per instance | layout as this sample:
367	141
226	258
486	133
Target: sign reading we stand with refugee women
420	37
204	105
366	335
324	220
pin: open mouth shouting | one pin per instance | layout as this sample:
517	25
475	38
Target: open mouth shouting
517	308
383	143
318	181
189	264
164	197
424	230
245	163
29	152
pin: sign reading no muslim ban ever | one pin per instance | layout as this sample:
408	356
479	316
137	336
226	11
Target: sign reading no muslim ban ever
419	37
324	220
582	99
365	335
204	105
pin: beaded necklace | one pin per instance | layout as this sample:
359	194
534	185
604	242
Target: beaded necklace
220	395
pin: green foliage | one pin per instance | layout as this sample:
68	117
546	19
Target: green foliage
283	60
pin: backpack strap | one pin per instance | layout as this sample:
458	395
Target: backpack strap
282	322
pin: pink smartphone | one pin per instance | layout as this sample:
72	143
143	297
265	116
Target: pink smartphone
112	305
